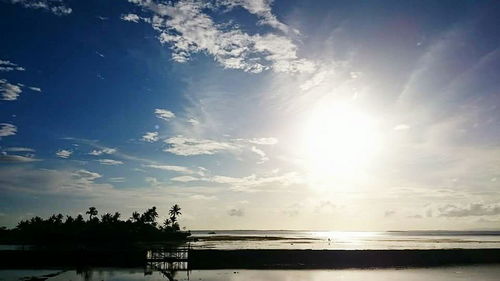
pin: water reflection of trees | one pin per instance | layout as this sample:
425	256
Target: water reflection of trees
168	270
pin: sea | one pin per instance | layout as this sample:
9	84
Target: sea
451	273
342	240
286	239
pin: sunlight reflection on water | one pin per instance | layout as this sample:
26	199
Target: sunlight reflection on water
484	273
344	240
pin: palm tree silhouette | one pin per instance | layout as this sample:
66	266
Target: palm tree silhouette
175	211
167	223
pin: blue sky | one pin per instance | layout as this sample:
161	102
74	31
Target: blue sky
348	115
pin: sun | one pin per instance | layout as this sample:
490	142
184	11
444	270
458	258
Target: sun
340	142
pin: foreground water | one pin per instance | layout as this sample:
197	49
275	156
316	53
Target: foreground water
286	239
484	273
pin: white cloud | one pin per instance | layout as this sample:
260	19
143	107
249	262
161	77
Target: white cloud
184	179
63	153
5	158
253	183
193	121
474	209
7	129
164	114
260	8
262	154
172	168
131	17
57	7
188	30
36	89
316	80
7	66
150	137
10	92
117	179
109	162
202	197
73	182
86	175
106	150
263	141
184	146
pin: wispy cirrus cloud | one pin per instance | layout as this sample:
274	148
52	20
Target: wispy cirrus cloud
261	153
7	66
36	89
250	183
26	179
189	30
172	168
56	7
7	129
253	183
10	92
184	179
263	141
9	158
471	210
117	179
19	149
109	162
185	146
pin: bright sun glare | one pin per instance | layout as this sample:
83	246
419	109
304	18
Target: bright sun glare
340	142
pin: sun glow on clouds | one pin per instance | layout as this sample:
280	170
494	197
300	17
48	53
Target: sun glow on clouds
340	141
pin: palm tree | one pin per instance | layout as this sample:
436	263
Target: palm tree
167	222
116	217
92	212
107	218
150	216
175	211
136	217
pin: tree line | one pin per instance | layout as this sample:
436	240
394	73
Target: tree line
94	229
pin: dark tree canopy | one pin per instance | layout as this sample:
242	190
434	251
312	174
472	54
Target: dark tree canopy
108	229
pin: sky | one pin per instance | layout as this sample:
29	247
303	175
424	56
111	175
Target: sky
253	114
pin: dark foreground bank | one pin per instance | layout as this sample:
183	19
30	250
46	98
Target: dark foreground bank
257	259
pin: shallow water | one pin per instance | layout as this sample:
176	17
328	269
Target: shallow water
484	273
255	239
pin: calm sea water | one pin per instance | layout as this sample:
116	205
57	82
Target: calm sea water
484	273
285	239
